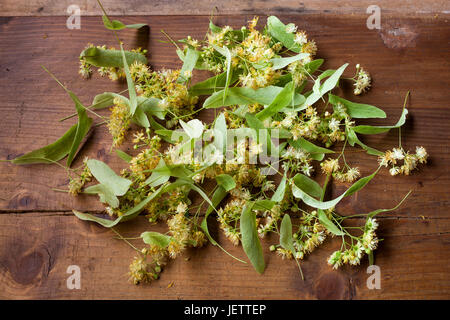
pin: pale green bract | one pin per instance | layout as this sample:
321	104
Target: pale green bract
286	240
357	110
156	239
322	89
99	57
194	128
226	181
310	201
105	175
242	96
250	240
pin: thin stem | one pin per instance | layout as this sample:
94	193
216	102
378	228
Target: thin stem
400	128
68	91
90	107
126	241
171	40
100	123
300	268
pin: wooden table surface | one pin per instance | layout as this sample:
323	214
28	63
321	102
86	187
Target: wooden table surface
40	237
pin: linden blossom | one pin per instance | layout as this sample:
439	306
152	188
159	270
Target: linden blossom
269	116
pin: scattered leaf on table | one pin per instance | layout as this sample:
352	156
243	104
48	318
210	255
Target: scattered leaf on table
99	57
250	240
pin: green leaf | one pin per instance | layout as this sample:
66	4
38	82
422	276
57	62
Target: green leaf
192	185
310	201
263	205
375	212
83	125
214	28
117	25
220	134
250	240
99	57
105	175
328	85
226	181
140	118
105	193
130	84
210	85
316	152
217	197
277	29
280	63
227	54
128	215
151	107
189	62
103	100
253	122
260	130
136	25
112	24
124	156
353	139
50	153
281	101
286	240
159	177
312	66
327	223
156	239
308	185
357	110
278	196
177	170
365	129
238	35
193	128
243	96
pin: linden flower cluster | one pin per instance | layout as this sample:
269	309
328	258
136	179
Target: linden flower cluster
347	174
182	234
142	164
297	160
113	73
301	124
76	184
119	121
252	51
163	207
366	243
163	85
310	234
362	80
228	218
410	161
277	57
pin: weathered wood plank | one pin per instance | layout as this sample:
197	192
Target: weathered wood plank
31	102
37	248
43	238
205	7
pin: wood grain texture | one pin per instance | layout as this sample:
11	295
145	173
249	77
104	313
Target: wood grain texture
207	7
39	237
37	248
